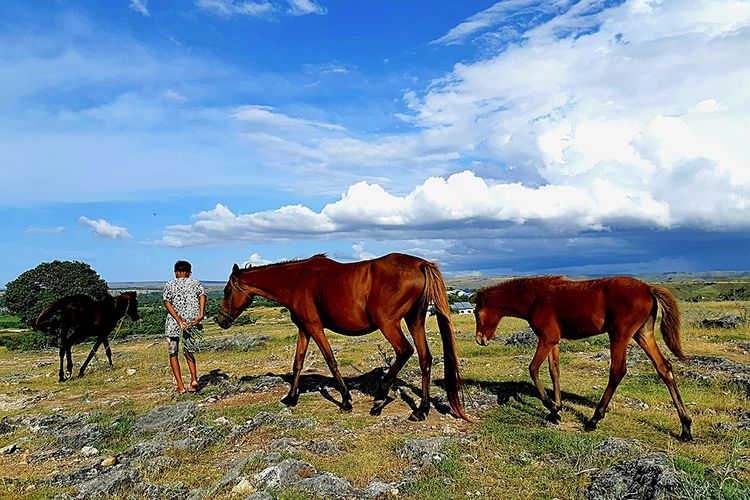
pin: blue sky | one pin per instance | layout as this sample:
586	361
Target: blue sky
511	137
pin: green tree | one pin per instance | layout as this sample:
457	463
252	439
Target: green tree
37	288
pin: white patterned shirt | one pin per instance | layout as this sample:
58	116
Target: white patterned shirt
184	294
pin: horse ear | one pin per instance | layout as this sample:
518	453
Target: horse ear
235	269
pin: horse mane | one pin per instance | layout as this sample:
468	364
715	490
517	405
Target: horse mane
524	283
288	261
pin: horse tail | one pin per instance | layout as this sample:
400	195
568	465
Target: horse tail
434	291
670	320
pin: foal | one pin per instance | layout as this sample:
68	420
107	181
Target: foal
72	319
557	308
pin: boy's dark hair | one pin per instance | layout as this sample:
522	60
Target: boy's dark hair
182	266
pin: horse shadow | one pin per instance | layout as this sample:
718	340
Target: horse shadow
524	397
368	383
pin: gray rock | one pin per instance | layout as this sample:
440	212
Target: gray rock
72	437
76	476
618	447
167	418
719	363
198	438
378	490
259	495
243	343
174	491
326	485
652	477
158	465
285	444
286	473
325	447
423	450
728	321
268	383
7	450
111	484
523	338
6	426
145	450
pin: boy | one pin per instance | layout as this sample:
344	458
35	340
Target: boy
185	301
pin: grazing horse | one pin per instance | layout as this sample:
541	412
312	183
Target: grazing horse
355	299
557	308
72	319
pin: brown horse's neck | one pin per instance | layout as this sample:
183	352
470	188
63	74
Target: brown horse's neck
513	302
275	281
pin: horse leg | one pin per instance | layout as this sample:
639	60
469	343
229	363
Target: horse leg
404	351
617	369
319	337
553	359
97	343
62	358
645	338
69	356
425	365
542	350
108	351
303	340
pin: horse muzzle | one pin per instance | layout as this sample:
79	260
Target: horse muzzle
224	320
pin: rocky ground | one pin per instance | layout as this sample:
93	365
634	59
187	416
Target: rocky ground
124	433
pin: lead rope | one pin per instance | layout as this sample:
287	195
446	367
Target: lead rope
117	330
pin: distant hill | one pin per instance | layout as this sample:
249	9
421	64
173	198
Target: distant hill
158	285
708	277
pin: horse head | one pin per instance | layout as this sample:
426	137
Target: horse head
487	318
132	305
237	298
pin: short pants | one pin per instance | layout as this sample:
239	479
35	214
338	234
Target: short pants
173	346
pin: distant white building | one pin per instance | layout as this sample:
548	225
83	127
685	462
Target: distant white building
462	308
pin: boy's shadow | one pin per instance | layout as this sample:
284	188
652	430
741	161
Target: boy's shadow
366	383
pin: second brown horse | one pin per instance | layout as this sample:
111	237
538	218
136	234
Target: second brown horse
355	299
557	308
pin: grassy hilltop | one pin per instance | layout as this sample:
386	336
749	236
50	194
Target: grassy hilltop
509	451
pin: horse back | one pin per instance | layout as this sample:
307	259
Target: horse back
77	313
354	298
590	307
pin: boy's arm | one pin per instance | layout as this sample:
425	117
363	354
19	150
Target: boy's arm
173	313
202	302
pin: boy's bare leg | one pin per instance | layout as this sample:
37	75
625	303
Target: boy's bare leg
190	358
174	362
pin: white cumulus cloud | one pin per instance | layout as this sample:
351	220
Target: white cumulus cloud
104	229
140	6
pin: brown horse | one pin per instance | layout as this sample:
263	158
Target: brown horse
72	319
355	299
557	308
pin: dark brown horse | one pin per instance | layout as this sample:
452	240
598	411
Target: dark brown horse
72	319
557	308
355	299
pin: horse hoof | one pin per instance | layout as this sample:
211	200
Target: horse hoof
554	418
417	416
345	409
375	411
589	426
686	436
290	401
